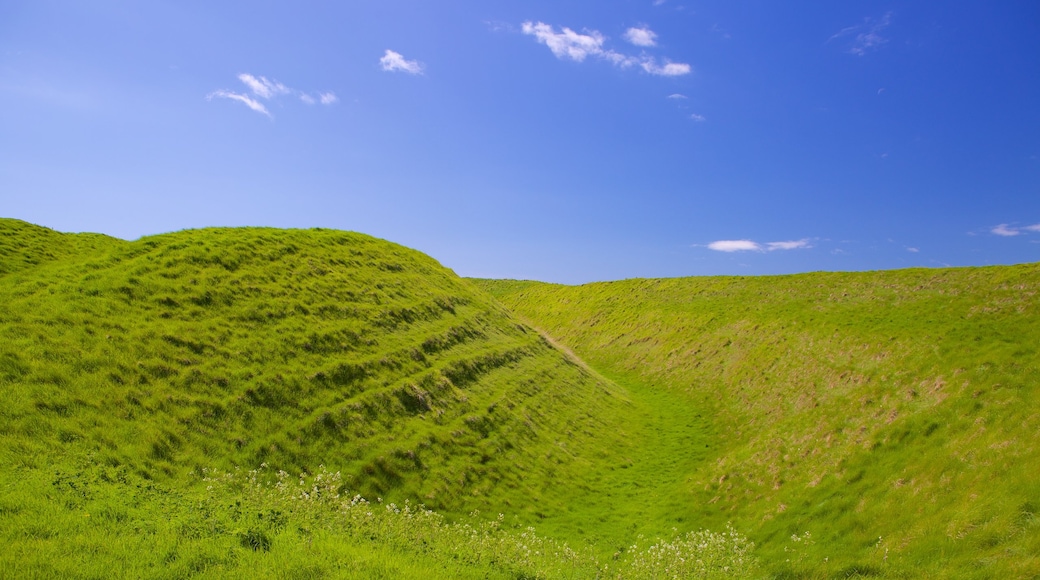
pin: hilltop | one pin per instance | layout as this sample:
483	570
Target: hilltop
875	423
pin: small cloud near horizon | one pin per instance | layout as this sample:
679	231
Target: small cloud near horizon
395	61
752	246
1008	231
734	246
791	245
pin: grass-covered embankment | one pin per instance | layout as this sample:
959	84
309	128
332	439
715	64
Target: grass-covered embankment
131	371
873	423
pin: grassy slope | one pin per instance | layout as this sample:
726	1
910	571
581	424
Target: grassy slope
219	348
891	415
24	245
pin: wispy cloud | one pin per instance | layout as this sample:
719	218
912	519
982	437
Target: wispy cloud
789	245
698	118
866	36
394	62
1005	230
566	44
244	99
752	246
668	69
1009	231
498	26
677	97
716	29
641	36
913	250
263	88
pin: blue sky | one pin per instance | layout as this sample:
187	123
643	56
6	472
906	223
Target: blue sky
566	142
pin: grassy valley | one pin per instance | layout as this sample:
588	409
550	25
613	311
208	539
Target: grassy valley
244	402
133	372
879	423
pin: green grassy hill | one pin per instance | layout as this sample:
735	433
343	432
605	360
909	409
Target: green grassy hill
130	372
218	402
880	423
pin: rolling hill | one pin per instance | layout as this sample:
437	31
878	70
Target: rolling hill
167	359
222	402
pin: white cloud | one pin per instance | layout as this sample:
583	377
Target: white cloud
677	96
1008	231
394	61
913	250
866	36
791	245
734	246
245	99
567	44
752	246
262	87
668	69
698	118
659	2
1004	230
641	36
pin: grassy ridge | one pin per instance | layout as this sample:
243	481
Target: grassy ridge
228	348
891	415
224	348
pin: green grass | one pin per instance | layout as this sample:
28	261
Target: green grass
891	415
229	348
210	402
132	371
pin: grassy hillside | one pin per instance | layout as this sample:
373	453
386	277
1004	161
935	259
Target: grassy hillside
218	401
855	423
132	372
24	245
224	348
